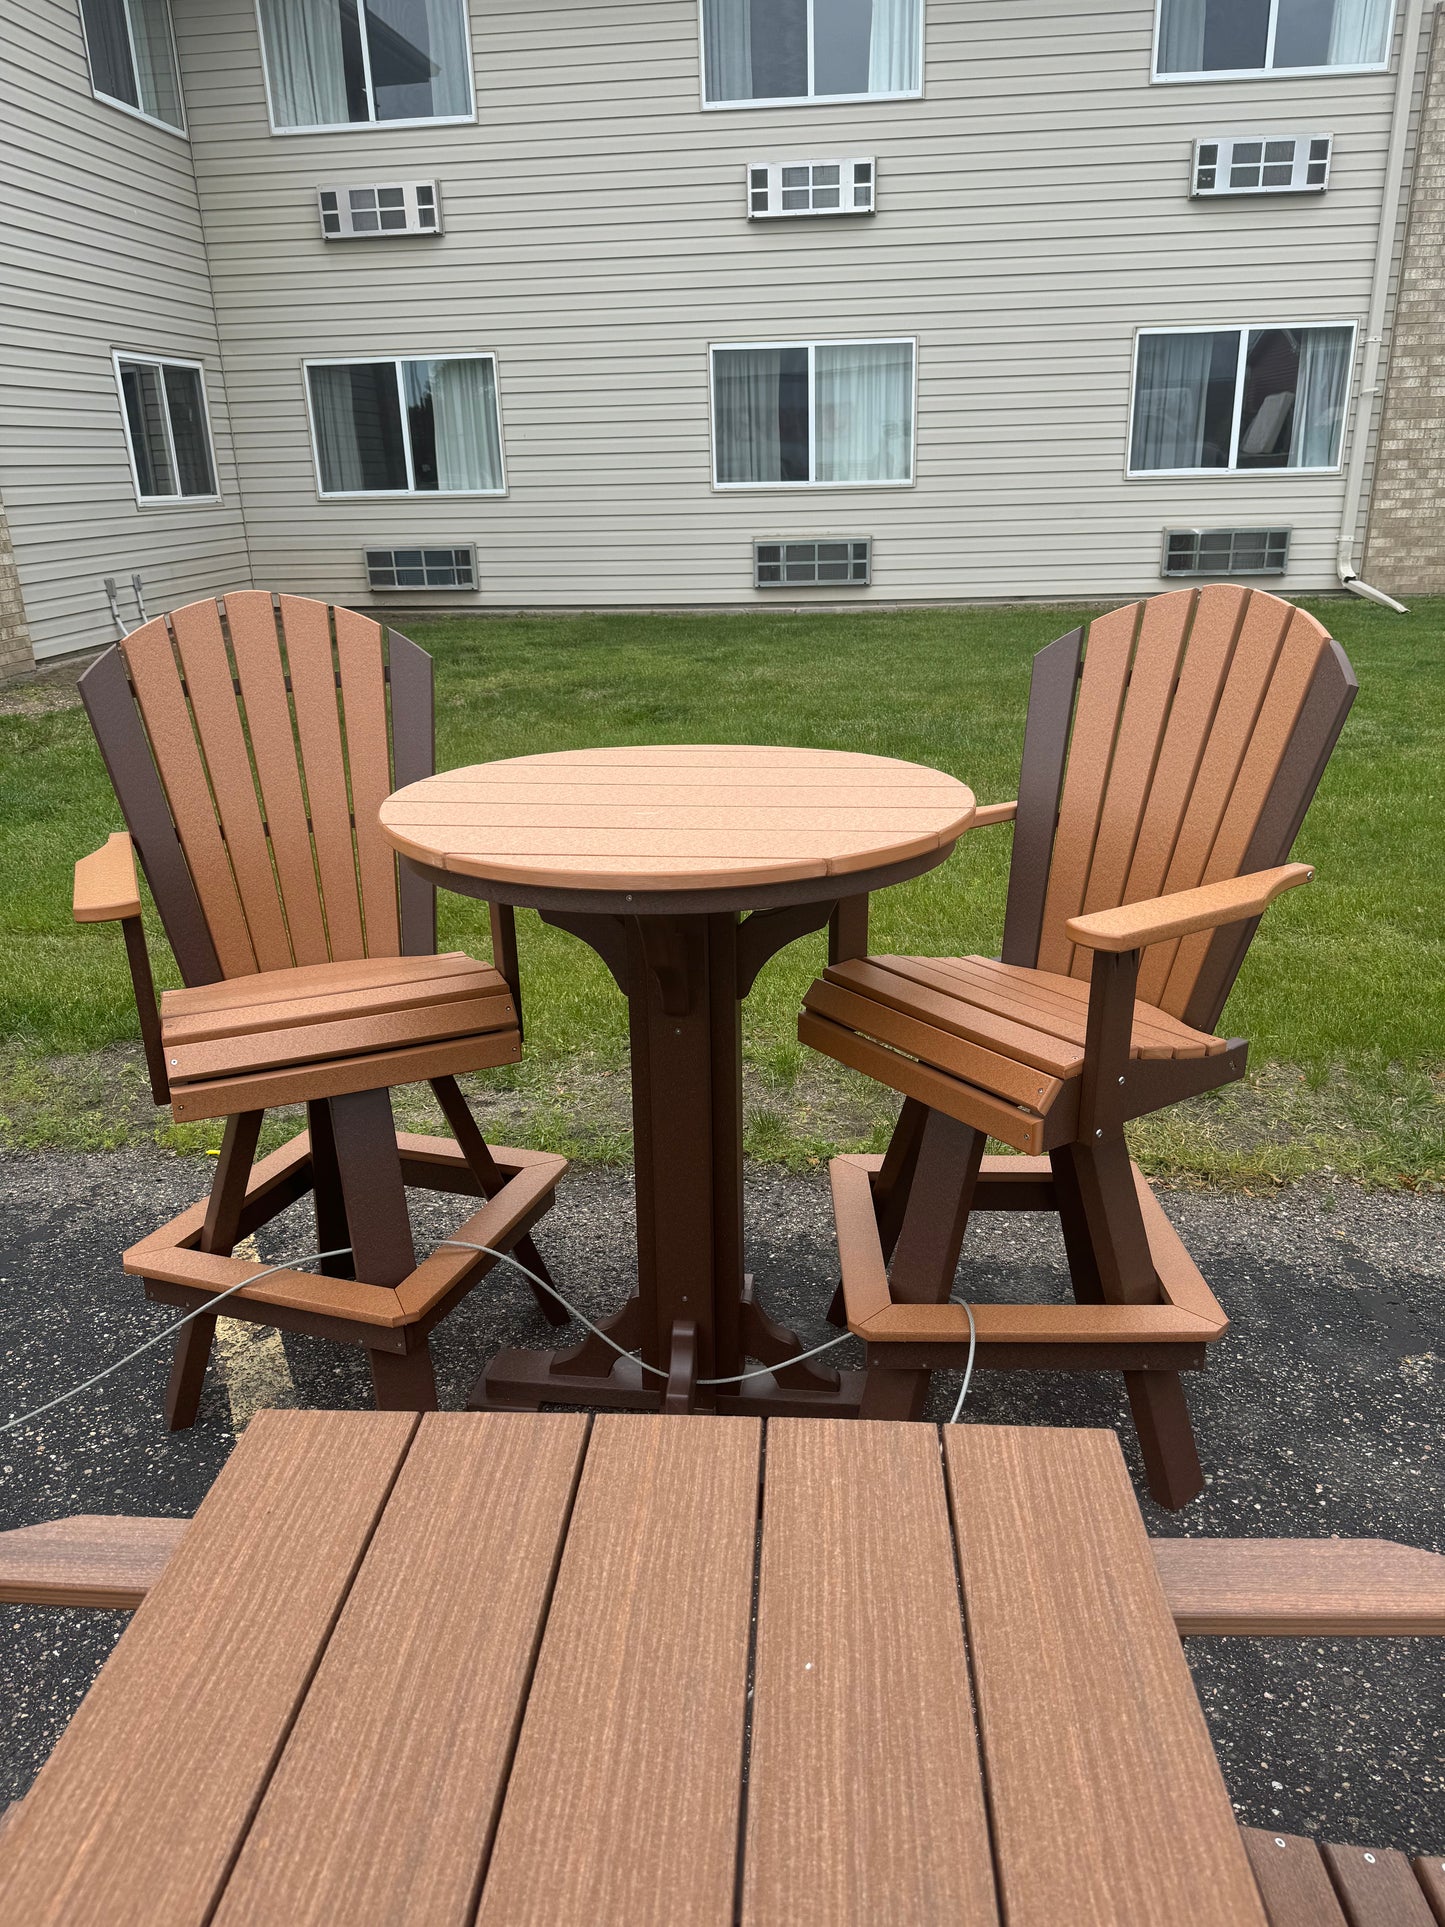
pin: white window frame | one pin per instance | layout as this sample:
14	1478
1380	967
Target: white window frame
1230	472
138	112
372	124
810	99
411	493
1267	71
830	341
118	355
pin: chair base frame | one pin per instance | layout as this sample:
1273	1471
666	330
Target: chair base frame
1149	1343
357	1165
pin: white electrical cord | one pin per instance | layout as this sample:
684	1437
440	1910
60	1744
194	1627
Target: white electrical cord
287	1264
737	1378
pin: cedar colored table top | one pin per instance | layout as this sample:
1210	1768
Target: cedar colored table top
500	1666
681	817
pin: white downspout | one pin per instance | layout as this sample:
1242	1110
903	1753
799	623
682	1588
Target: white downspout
1369	387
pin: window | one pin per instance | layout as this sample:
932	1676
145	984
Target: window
330	63
827	412
396	207
778	565
1281	164
1239	398
1270	36
444	568
773	50
406	427
132	54
167	429
779	188
1219	552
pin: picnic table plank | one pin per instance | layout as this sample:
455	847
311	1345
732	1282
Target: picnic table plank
1293	1880
624	1795
1107	1802
1377	1887
383	1805
865	1795
135	1818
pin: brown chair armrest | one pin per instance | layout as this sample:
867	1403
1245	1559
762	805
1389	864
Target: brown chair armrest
106	890
988	813
1159	919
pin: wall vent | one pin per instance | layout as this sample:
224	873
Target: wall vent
1262	164
786	189
428	568
813	565
1218	552
380	209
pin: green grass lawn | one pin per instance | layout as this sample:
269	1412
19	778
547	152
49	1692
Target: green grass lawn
1342	997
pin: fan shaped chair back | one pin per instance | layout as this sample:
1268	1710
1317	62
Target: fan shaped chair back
1179	743
251	742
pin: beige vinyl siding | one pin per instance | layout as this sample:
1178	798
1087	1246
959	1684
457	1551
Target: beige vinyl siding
1033	214
101	249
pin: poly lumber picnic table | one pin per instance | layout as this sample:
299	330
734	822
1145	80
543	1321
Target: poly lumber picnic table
505	1667
685	868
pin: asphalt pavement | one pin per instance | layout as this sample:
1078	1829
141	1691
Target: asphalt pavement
1323	1412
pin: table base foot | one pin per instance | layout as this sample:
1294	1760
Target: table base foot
521	1381
766	1398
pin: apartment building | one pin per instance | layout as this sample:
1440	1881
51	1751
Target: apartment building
498	304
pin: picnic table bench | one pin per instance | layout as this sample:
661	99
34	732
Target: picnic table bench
657	1669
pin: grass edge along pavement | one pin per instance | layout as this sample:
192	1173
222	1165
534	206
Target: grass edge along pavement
1342	997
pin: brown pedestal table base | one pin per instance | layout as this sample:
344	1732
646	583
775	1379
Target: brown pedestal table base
694	1316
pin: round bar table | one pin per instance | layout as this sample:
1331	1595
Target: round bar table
685	868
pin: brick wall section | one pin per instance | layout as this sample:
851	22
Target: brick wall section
16	656
1405	551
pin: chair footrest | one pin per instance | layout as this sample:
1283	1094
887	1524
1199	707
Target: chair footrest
168	1257
86	1561
1189	1314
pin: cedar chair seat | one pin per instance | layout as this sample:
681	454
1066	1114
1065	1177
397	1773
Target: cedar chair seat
324	1030
1004	1043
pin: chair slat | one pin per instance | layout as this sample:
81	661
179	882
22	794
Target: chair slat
1292	1879
202	650
1162	632
1217	616
157	683
1299	659
1091	750
307	628
1261	636
251	618
865	1794
368	755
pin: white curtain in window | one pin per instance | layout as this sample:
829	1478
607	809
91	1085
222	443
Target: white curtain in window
894	46
747	402
1357	32
727	47
1181	37
452	55
156	78
863	412
338	449
1169	400
304	60
464	413
1324	373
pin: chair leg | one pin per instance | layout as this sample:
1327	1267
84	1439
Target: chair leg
1118	1258
372	1187
218	1235
326	1196
188	1372
488	1173
1166	1437
939	1167
404	1381
891	1188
